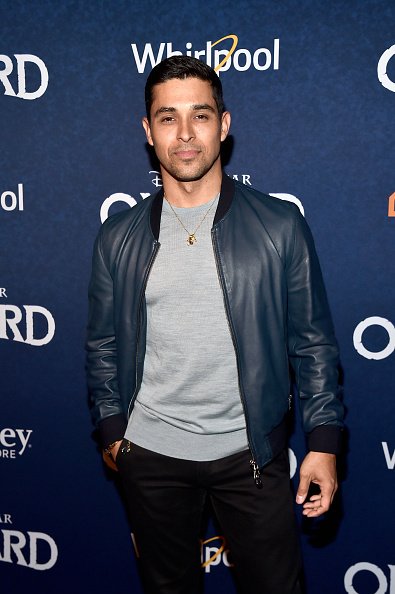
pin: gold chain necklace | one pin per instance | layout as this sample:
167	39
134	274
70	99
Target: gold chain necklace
191	236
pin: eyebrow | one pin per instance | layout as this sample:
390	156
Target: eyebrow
201	106
196	107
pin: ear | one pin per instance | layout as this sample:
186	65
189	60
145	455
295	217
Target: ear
147	129
225	125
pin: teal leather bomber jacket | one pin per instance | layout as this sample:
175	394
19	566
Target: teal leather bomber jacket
275	303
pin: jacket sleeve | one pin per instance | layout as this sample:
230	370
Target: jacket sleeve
101	347
312	345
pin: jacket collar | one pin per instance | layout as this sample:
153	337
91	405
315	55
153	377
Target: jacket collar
225	200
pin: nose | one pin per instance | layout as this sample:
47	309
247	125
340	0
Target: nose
185	130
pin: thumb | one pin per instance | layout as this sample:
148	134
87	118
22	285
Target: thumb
304	485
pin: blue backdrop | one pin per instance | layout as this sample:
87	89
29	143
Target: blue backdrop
311	88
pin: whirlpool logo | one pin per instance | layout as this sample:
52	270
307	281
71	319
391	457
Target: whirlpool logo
221	55
212	554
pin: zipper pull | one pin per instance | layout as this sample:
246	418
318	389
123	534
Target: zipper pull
256	474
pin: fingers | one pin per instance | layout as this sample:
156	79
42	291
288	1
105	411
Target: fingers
110	455
109	461
319	469
320	503
303	489
313	507
115	449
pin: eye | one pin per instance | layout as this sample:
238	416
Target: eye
167	120
201	116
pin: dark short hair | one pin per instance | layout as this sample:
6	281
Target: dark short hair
183	67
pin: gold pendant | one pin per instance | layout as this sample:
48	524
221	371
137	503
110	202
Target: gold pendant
191	239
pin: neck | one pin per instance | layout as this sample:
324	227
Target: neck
194	193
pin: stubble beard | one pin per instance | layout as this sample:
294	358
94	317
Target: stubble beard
189	171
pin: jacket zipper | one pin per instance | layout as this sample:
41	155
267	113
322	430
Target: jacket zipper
147	273
253	464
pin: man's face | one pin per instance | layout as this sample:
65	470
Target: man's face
185	128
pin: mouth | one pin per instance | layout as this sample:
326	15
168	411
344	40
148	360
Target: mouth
186	153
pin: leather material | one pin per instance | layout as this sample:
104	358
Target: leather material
275	302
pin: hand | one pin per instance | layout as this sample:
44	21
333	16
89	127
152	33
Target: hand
318	468
109	459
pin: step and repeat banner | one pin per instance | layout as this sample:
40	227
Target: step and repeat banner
311	88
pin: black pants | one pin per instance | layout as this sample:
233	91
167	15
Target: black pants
165	498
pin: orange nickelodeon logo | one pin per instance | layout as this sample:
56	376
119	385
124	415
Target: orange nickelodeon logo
391	205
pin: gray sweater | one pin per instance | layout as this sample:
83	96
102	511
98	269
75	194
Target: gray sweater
189	404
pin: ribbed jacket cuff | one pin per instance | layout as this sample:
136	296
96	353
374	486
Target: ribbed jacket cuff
325	438
111	429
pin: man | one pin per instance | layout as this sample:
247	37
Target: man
200	297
